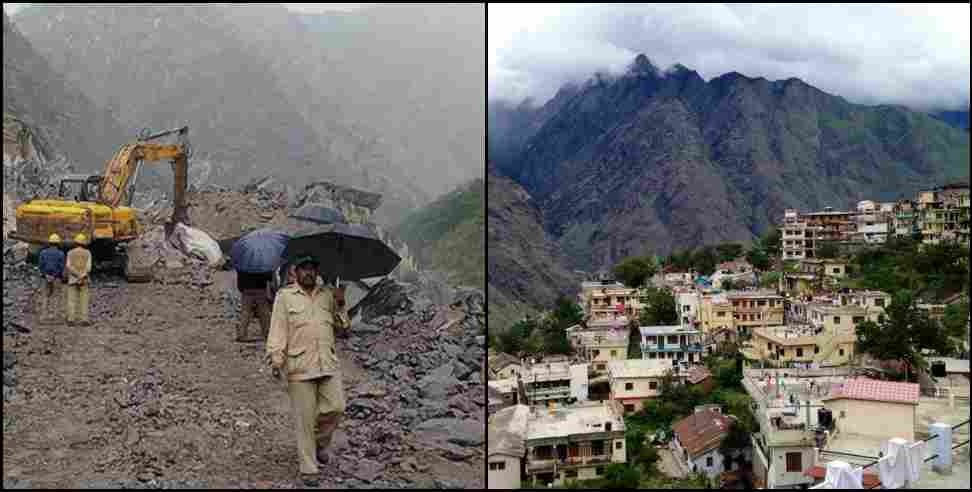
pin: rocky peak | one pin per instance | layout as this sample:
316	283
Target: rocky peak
643	66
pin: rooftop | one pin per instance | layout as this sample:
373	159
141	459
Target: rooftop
507	430
639	368
503	385
702	431
793	335
874	390
666	330
549	371
697	374
501	360
586	418
746	294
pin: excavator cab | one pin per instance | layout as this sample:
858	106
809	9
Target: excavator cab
79	188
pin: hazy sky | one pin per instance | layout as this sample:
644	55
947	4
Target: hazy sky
911	54
302	7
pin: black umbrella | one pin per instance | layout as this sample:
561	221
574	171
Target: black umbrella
345	251
319	214
259	251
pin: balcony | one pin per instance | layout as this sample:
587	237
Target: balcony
670	347
558	392
549	464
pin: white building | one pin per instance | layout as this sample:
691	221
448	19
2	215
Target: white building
506	449
696	442
672	343
635	381
687	304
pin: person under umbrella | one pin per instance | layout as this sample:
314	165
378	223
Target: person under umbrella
255	256
301	347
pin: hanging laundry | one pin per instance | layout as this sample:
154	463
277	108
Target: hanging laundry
898	467
841	475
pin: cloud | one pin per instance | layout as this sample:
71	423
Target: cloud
914	55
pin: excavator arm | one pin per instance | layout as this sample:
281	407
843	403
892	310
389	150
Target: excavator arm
123	168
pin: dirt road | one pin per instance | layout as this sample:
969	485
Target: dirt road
156	393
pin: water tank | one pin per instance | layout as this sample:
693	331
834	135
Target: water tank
825	418
938	369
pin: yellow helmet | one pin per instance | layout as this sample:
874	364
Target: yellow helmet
54	239
81	239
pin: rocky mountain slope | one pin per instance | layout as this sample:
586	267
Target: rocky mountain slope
55	116
448	235
525	269
269	91
650	161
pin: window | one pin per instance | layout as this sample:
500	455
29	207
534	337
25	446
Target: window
816	350
708	461
843	414
836	320
628	386
686	308
721	314
653	385
879	302
799	352
858	319
618	445
497	466
837	270
651	355
614	353
570	474
841	352
597	448
629	408
762	303
794	462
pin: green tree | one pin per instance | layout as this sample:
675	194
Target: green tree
729	251
770	280
759	258
956	319
770	242
705	260
635	271
737	440
828	249
728	284
620	476
661	309
902	335
567	313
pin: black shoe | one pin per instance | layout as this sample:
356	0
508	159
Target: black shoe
312	481
323	457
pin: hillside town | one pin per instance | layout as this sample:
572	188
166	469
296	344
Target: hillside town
753	378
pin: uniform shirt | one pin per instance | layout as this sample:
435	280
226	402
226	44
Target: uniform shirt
301	338
78	265
51	262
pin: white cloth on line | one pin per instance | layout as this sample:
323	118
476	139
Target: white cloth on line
901	463
841	475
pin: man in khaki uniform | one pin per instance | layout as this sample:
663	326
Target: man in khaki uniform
78	269
301	345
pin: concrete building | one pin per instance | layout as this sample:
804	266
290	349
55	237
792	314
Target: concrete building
687	304
575	442
606	302
751	309
783	345
504	366
905	221
813	275
943	214
784	446
696	440
873	223
671	342
599	347
636	381
506	449
876	409
547	383
507	389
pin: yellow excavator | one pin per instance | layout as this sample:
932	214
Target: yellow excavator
100	205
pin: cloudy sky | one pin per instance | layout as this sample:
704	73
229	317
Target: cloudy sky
302	7
915	55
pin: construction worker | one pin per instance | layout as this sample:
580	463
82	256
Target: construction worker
255	299
50	262
301	348
78	271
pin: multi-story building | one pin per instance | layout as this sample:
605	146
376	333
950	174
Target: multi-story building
755	308
782	345
672	343
547	382
813	275
905	222
873	222
715	312
635	381
599	347
943	214
687	304
507	431
784	445
608	302
575	442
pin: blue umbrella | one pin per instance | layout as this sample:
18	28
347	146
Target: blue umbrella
260	251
